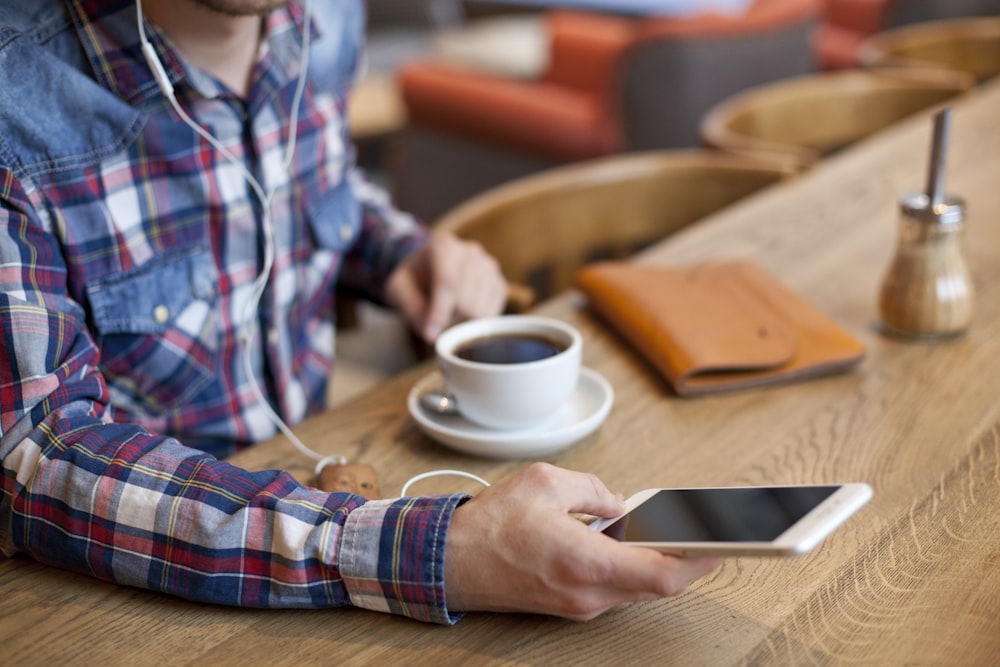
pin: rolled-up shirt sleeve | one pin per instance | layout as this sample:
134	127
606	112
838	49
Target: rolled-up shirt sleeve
153	514
391	556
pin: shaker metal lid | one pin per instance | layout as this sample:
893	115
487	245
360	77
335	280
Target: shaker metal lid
949	210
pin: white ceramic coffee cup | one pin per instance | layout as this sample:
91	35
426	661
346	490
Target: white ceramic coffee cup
510	395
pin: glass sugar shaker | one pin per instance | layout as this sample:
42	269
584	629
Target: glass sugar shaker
927	291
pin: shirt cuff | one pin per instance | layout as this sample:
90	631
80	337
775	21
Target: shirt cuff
391	556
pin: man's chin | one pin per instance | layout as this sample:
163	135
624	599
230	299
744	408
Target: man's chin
242	7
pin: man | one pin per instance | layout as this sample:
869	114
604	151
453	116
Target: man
163	254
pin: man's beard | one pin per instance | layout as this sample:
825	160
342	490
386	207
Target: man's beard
242	7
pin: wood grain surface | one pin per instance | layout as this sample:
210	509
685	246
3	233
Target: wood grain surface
913	579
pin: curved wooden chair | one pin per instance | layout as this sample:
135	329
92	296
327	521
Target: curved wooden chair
800	120
611	83
969	45
542	228
848	23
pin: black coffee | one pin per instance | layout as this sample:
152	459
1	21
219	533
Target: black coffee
513	348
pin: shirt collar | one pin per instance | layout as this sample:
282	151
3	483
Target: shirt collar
109	36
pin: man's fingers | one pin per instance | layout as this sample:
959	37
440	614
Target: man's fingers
573	492
441	309
446	281
407	296
465	283
572	571
644	571
485	293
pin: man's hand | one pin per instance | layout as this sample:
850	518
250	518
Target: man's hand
447	281
515	547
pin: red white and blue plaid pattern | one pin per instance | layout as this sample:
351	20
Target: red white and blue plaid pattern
128	246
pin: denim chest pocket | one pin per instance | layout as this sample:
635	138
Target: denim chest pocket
334	215
158	330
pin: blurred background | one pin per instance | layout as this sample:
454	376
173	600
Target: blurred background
464	104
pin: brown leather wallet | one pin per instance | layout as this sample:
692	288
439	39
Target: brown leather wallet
717	326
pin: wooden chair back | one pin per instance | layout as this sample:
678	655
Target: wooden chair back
543	228
800	120
677	69
970	45
896	13
848	23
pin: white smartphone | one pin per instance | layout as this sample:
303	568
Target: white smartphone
735	521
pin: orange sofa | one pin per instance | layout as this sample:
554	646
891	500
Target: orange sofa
613	83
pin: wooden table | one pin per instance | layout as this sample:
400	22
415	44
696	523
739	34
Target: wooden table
376	108
914	578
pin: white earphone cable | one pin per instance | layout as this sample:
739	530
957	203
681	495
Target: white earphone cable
437	473
250	308
247	330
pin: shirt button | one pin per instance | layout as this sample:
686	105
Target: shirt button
161	314
346	233
272	336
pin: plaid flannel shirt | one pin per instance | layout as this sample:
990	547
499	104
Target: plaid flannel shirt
128	246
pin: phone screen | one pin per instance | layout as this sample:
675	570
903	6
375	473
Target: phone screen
758	514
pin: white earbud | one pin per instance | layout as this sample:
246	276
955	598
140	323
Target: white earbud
149	53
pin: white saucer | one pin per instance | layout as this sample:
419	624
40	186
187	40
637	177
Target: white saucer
585	410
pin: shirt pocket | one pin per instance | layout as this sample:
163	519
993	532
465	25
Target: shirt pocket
333	214
158	330
333	219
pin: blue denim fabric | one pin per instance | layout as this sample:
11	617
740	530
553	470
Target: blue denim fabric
44	85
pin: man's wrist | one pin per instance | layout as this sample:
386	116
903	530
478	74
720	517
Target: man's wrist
391	556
